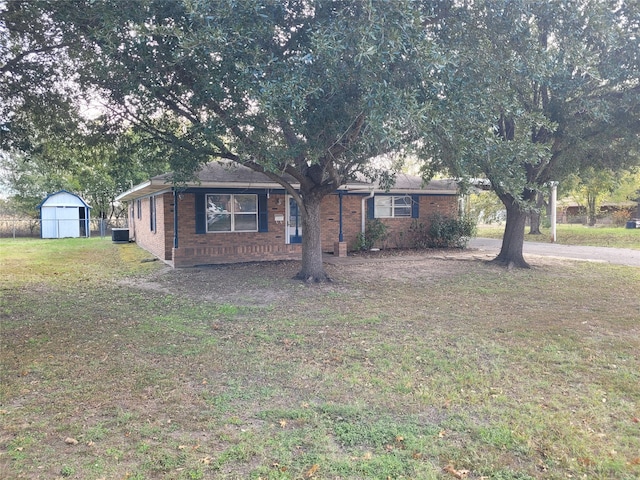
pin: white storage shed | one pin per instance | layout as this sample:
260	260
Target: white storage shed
63	215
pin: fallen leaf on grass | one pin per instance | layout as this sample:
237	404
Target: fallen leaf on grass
283	423
456	473
205	460
442	433
312	471
282	468
70	441
635	461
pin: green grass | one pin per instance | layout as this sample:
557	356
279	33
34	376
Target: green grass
398	371
576	235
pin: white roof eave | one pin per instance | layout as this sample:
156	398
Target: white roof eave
154	187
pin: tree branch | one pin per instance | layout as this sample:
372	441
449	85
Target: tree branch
19	57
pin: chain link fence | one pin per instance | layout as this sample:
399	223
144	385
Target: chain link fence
14	227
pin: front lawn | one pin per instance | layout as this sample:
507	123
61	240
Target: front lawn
576	235
439	367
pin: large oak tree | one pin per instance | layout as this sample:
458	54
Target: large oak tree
297	89
536	90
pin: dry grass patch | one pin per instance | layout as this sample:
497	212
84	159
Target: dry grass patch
401	368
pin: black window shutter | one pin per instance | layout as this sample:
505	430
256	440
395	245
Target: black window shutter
370	208
263	213
415	206
201	213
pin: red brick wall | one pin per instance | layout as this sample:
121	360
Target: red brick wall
230	247
398	229
159	241
330	220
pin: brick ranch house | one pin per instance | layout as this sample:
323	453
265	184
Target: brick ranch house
233	214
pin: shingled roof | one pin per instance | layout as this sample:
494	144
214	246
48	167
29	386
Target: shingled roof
226	174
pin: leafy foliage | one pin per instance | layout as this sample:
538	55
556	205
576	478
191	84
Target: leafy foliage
536	90
306	92
443	232
375	231
92	164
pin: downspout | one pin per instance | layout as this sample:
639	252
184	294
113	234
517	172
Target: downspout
131	222
363	211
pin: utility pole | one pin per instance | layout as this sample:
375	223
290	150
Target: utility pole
553	201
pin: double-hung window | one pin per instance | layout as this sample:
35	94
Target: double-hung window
391	206
232	212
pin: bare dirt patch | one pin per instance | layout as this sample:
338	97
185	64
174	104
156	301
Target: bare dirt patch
267	283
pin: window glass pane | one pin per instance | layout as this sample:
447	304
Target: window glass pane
245	223
402	201
218	217
152	213
402	212
219	223
245	203
218	204
383	206
402	206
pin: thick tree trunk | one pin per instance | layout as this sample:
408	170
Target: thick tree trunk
591	210
312	269
513	240
534	216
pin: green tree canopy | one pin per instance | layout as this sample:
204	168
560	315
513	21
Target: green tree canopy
537	90
95	164
309	90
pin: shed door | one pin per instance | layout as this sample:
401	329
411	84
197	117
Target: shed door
67	220
49	222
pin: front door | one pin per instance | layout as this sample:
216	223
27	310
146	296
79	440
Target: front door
294	225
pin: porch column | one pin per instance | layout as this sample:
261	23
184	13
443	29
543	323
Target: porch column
340	235
340	247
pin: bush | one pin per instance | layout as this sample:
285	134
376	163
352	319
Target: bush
620	217
443	232
375	231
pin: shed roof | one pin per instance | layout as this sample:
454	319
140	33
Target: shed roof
63	198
